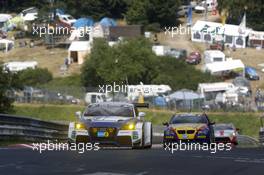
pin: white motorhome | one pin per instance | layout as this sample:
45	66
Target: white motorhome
211	56
160	50
135	91
94	97
210	90
227	97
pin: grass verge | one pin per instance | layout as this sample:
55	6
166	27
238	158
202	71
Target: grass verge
248	123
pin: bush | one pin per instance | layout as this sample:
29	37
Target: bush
8	83
34	77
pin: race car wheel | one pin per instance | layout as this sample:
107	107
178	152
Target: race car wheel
149	146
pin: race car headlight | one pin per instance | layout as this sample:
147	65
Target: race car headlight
129	126
79	126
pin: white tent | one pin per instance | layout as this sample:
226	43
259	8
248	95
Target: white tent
5	17
78	50
204	31
229	65
16	66
8	44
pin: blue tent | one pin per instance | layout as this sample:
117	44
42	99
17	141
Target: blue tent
83	22
160	101
107	22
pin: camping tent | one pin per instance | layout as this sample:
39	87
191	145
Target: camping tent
83	22
19	66
186	99
107	22
4	18
8	44
78	50
217	68
210	32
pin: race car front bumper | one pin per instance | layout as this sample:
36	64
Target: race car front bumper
123	138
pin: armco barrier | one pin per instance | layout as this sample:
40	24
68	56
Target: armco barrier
261	137
24	128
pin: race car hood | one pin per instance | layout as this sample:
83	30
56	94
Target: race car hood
188	126
107	121
224	133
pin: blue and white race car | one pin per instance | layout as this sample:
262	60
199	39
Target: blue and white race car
112	124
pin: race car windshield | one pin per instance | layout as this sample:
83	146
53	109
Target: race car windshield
223	127
188	119
109	111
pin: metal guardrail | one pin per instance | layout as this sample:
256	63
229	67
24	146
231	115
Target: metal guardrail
261	137
28	129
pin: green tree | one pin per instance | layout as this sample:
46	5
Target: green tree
153	12
8	83
132	61
237	8
34	77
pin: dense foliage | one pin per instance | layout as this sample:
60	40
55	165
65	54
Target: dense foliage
8	83
132	61
134	11
34	77
236	9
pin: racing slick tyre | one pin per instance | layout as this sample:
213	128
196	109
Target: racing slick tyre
149	146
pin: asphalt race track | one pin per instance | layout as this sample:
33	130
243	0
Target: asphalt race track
25	161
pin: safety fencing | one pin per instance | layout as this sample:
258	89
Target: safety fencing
28	129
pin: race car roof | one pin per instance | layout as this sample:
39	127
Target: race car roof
121	104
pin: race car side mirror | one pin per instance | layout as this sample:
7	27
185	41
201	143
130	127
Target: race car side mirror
141	114
78	114
212	123
165	124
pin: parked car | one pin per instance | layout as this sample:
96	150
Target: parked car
251	73
177	53
194	58
226	133
217	46
182	11
243	85
67	19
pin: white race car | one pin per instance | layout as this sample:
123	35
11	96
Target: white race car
116	124
226	133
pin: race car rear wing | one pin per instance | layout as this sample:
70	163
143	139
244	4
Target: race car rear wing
141	105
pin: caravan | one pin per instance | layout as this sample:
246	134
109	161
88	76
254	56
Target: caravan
210	90
211	56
